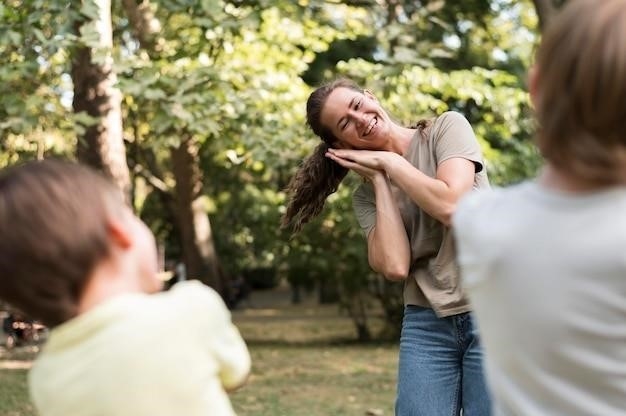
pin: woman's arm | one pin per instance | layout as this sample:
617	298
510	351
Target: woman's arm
437	196
388	246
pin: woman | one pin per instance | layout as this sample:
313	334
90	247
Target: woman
414	177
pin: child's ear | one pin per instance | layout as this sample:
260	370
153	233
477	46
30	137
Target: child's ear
119	234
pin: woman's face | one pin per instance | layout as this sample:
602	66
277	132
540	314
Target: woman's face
356	119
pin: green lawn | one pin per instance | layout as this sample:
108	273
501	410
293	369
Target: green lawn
320	380
13	393
304	363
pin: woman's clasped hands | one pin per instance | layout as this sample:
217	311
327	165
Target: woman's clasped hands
367	163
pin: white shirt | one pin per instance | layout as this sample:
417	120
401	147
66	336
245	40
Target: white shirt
546	276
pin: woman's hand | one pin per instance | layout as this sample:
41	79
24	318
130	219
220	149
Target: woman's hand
375	159
437	196
387	243
366	163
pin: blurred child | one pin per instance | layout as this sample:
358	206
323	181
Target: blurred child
544	262
73	255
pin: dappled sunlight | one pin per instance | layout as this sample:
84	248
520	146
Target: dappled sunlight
15	364
20	353
18	358
258	312
354	379
270	318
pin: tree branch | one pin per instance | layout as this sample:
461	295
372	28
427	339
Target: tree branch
145	25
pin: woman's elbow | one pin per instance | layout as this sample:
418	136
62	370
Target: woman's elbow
393	264
444	216
395	273
395	276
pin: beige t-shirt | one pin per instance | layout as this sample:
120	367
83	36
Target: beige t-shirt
172	353
434	274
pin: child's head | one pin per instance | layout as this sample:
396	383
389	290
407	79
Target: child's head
59	221
579	89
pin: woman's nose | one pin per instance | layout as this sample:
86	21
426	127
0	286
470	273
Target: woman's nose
359	118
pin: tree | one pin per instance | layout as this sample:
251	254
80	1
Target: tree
96	94
212	102
34	121
166	98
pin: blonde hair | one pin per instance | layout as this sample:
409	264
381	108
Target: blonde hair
581	91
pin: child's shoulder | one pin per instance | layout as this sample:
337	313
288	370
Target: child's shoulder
482	207
195	292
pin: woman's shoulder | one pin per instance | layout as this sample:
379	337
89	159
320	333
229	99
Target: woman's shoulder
449	117
450	124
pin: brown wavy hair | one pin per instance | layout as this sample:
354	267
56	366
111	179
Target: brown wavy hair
581	91
318	176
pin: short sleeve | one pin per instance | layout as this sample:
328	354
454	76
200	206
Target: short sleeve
453	136
364	205
222	337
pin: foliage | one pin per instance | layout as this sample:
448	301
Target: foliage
33	117
234	76
493	101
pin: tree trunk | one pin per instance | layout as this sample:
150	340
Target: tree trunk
102	144
357	311
390	296
197	245
198	249
145	25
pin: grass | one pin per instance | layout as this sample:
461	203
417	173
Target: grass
13	393
305	362
331	380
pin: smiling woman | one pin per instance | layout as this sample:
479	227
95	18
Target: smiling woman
358	119
414	178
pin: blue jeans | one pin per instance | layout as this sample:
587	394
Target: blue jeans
440	366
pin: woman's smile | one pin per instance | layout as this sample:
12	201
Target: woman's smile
371	125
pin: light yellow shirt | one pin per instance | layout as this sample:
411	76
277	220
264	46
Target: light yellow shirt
171	353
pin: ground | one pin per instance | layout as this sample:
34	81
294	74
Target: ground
305	363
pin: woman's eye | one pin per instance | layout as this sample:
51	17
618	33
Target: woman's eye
357	105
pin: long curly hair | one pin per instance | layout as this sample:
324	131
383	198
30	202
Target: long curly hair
317	177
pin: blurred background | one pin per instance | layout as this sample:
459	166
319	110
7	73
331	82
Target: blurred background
196	108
